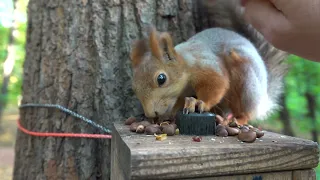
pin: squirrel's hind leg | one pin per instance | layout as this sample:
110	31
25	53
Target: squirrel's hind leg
247	88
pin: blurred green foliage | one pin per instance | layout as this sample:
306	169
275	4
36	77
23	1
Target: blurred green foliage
7	16
304	75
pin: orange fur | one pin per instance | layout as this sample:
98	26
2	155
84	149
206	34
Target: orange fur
167	43
234	64
210	87
154	44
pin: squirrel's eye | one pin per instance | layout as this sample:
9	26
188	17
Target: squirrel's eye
161	79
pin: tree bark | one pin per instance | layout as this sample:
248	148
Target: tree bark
77	57
312	105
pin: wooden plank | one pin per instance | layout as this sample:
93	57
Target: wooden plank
285	175
180	157
304	175
308	174
119	168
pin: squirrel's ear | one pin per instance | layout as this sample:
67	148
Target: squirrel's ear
161	45
140	47
154	43
167	46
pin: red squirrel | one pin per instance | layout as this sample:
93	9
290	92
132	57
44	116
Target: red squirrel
228	68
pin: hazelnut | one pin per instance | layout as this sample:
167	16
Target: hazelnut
153	129
249	126
145	123
174	125
244	129
169	130
249	136
133	126
232	131
221	131
259	133
130	120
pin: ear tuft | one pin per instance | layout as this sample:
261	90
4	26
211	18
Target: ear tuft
140	47
154	43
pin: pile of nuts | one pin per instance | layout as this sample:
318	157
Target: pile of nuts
245	133
149	128
224	128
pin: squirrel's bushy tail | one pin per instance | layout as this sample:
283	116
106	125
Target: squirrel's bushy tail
228	14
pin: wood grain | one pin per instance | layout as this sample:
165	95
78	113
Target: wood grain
180	157
304	175
284	175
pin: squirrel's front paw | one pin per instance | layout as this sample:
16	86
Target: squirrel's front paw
191	103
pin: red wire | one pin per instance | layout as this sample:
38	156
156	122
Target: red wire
42	134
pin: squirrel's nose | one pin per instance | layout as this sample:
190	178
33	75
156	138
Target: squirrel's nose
156	113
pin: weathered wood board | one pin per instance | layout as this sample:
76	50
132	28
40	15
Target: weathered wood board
136	156
285	175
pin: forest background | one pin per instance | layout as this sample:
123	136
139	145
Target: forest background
300	115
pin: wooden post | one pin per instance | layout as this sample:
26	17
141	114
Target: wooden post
274	156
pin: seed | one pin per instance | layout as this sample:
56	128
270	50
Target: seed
232	131
177	132
161	137
130	120
248	137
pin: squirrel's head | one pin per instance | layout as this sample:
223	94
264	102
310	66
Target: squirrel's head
158	74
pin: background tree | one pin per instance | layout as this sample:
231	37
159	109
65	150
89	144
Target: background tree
303	94
77	57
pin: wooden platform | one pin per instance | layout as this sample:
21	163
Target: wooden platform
274	156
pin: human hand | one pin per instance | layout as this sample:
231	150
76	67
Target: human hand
290	25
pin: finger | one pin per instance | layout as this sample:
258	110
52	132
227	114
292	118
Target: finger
267	19
243	2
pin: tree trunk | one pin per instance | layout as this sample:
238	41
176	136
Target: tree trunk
285	117
311	100
77	57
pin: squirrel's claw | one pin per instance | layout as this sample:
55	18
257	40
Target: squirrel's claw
201	107
191	103
185	111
